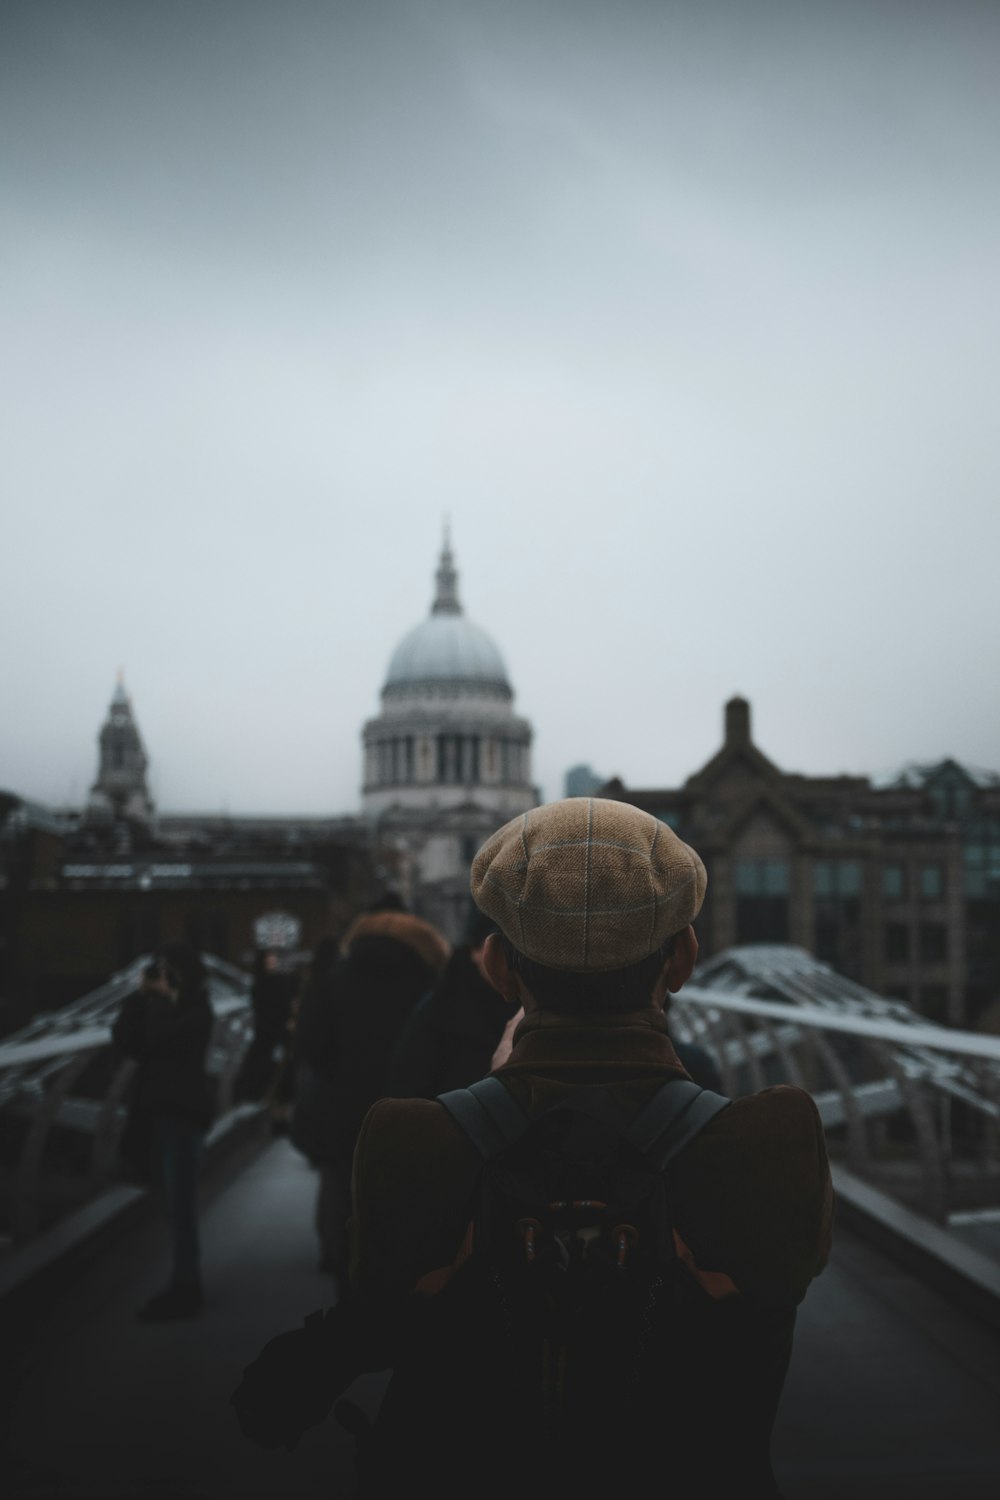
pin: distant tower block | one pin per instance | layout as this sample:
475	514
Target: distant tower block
582	781
120	791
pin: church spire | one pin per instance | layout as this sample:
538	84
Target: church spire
446	598
120	791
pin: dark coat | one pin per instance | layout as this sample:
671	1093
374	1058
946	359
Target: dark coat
169	1041
271	999
752	1209
450	1037
348	1025
700	1063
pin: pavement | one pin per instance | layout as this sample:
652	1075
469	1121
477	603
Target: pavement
892	1391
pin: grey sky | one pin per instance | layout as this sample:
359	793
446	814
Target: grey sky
687	315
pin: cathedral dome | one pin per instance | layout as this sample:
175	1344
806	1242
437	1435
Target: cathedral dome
447	760
446	647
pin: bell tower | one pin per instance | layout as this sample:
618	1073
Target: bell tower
120	791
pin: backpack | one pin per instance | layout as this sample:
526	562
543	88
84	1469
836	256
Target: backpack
550	1348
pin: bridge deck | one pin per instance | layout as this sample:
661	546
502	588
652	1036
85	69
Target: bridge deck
892	1391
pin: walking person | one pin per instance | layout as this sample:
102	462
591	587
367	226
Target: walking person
166	1027
263	1069
594	901
348	1022
451	1035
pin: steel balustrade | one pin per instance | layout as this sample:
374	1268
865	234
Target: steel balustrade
911	1107
45	1089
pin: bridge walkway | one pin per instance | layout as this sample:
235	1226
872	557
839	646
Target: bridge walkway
892	1393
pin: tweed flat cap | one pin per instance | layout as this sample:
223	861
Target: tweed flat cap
587	884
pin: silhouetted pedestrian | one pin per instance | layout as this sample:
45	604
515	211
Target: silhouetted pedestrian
347	1027
271	997
166	1026
450	1037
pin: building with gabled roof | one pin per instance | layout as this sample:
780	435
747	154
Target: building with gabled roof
896	883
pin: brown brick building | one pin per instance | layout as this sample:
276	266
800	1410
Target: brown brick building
896	885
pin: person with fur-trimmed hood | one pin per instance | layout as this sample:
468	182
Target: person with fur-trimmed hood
345	1033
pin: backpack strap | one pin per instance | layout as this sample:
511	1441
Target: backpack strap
672	1119
487	1114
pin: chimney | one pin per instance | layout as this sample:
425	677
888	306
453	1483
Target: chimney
737	722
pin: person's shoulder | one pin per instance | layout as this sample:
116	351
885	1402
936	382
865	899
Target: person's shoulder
408	1140
772	1138
782	1115
391	1116
408	1125
781	1104
753	1194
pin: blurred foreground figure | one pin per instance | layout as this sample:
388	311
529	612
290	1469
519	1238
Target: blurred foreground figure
667	1368
166	1026
450	1037
349	1019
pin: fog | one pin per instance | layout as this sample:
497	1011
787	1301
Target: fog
686	316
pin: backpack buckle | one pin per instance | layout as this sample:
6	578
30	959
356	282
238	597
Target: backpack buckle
527	1229
625	1236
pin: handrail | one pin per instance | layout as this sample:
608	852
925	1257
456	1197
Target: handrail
44	1090
941	1038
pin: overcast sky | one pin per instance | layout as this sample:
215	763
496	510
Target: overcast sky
687	315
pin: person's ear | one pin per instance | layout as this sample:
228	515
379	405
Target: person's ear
679	966
499	972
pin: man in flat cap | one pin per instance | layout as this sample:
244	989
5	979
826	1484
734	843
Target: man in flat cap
594	902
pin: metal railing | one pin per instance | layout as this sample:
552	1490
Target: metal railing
63	1095
910	1107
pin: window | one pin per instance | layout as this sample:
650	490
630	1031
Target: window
448	759
837	878
931	882
933	942
894	882
982	867
761	900
952	798
761	877
762	919
897	942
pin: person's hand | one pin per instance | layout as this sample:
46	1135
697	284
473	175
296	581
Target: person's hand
506	1042
287	1388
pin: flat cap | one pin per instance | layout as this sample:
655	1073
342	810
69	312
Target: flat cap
587	884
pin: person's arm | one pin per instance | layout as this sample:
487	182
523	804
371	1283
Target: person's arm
128	1033
297	1376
